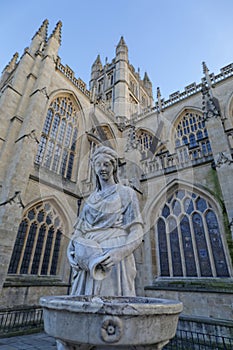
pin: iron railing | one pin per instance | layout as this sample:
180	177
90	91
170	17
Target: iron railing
21	320
188	340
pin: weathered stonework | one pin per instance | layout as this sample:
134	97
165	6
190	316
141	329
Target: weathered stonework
158	168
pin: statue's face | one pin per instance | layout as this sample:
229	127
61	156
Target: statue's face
103	167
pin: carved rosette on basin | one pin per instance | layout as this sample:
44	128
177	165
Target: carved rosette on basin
96	323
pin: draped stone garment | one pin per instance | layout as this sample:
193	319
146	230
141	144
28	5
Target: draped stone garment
108	219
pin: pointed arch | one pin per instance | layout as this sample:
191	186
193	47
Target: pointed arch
188	233
38	242
146	139
57	150
189	135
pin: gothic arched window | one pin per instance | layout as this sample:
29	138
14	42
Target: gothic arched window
145	140
189	239
37	245
57	147
191	131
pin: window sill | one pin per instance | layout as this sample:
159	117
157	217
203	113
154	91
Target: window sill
207	285
33	281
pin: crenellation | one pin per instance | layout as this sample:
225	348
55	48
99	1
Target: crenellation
68	73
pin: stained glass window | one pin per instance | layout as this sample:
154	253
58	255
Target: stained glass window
59	136
37	245
164	265
188	232
191	131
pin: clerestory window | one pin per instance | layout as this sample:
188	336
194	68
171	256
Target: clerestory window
57	147
37	244
192	131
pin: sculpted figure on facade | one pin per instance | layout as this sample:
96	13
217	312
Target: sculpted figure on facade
106	234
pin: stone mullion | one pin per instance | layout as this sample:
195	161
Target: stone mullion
209	246
43	247
194	245
170	265
34	248
181	247
52	250
23	248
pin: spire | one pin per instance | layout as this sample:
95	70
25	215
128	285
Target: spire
122	42
43	30
56	34
97	62
96	69
147	84
122	49
12	64
146	78
54	41
39	39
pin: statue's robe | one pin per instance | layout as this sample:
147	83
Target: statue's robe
107	219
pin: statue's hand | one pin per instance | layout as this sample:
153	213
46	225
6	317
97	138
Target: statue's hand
112	257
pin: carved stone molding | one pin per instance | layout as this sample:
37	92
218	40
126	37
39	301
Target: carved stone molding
223	159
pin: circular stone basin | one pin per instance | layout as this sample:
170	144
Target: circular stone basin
110	322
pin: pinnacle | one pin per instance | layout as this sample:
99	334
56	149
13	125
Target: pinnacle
97	62
42	31
158	92
11	65
57	32
146	77
122	42
205	68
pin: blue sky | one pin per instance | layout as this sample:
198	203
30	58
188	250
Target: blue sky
168	39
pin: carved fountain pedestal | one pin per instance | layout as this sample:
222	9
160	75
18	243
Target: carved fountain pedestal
102	323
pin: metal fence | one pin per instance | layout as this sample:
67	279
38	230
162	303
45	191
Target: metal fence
20	320
202	335
188	340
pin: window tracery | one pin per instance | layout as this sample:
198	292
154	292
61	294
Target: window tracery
189	239
192	131
37	244
145	140
56	150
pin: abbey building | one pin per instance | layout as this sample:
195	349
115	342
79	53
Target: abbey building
175	153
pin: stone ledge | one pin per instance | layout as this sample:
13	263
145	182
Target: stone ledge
33	281
222	285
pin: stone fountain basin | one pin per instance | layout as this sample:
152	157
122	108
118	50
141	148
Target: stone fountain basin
117	321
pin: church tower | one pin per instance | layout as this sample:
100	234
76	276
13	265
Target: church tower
120	86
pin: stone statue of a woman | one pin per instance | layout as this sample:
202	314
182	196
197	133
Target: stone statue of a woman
106	234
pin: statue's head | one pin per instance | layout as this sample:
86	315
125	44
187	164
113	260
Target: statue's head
111	156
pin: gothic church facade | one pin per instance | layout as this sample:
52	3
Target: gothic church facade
175	153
